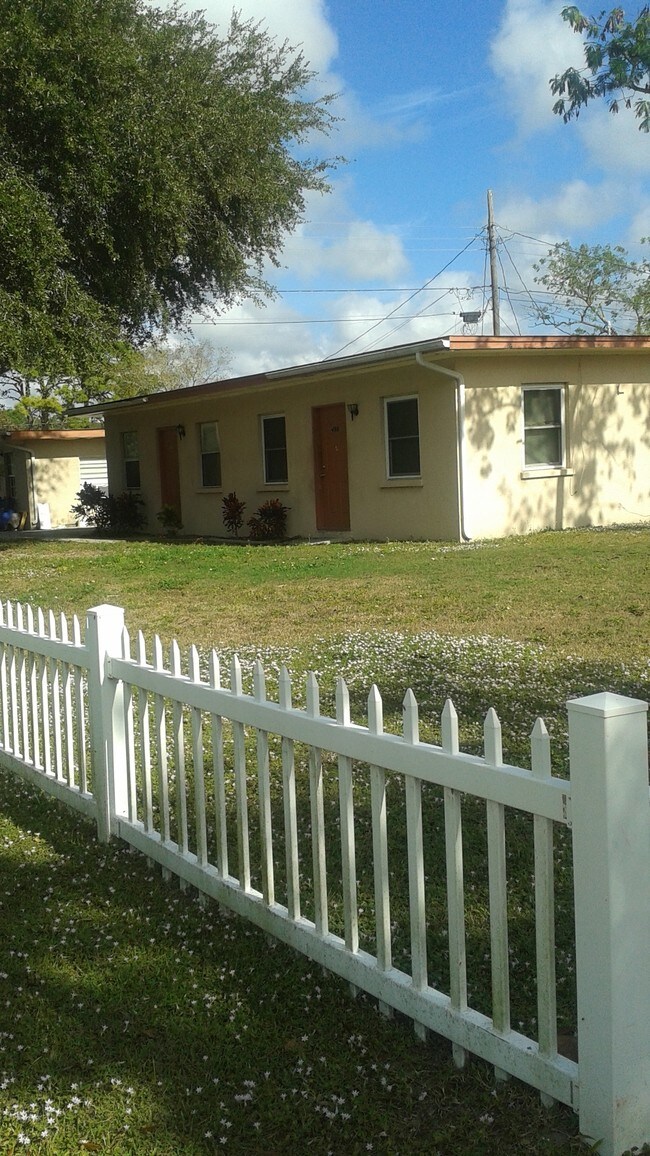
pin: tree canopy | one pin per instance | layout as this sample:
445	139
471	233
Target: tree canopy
44	402
149	168
617	64
595	289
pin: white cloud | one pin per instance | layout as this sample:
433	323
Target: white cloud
304	25
572	207
532	45
261	338
639	227
613	140
361	251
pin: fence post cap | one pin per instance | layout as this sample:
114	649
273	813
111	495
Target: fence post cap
607	705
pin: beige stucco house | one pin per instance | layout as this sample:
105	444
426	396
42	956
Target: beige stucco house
454	438
42	471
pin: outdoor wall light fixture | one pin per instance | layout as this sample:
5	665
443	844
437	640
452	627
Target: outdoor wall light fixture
180	430
353	410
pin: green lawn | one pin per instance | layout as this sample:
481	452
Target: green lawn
134	1020
579	592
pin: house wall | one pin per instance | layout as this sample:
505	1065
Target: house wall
57	477
426	507
607	479
49	472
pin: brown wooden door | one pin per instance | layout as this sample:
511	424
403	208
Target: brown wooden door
331	467
170	482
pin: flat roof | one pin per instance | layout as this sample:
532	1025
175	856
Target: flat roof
465	344
51	435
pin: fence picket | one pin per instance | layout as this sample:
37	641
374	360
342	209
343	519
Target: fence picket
219	772
160	731
129	717
289	798
178	739
544	906
33	696
317	806
455	880
497	883
144	731
264	792
379	838
55	685
346	812
22	684
13	687
45	697
380	846
241	788
415	851
68	720
199	775
80	711
4	687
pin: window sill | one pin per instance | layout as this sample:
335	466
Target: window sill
402	484
548	472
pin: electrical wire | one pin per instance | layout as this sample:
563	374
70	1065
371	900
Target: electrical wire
506	293
401	305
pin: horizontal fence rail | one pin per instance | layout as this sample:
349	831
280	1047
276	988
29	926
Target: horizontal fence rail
351	844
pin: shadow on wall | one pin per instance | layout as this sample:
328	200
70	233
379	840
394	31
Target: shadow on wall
56	484
606	460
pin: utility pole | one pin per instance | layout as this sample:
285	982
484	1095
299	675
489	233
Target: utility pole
494	281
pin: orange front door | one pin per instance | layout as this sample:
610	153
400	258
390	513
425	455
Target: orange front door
331	467
170	482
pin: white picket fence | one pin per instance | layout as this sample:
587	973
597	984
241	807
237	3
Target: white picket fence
155	756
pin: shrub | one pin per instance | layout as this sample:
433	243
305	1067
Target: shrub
170	519
122	513
90	505
233	513
270	520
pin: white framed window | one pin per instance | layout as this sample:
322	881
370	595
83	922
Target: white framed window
402	426
274	449
131	458
210	454
544	426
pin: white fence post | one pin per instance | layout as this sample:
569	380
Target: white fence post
104	627
611	848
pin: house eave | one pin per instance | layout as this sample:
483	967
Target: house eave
445	347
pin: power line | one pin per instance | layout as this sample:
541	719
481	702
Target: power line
322	320
400	306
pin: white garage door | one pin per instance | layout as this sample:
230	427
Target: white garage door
94	470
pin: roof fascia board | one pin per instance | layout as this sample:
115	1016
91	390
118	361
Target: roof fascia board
361	360
271	378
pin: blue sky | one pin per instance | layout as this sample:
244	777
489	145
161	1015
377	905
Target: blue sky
438	104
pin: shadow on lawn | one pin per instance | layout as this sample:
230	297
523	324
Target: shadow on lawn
129	983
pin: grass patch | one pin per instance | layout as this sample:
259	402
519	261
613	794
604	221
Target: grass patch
134	1020
578	592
